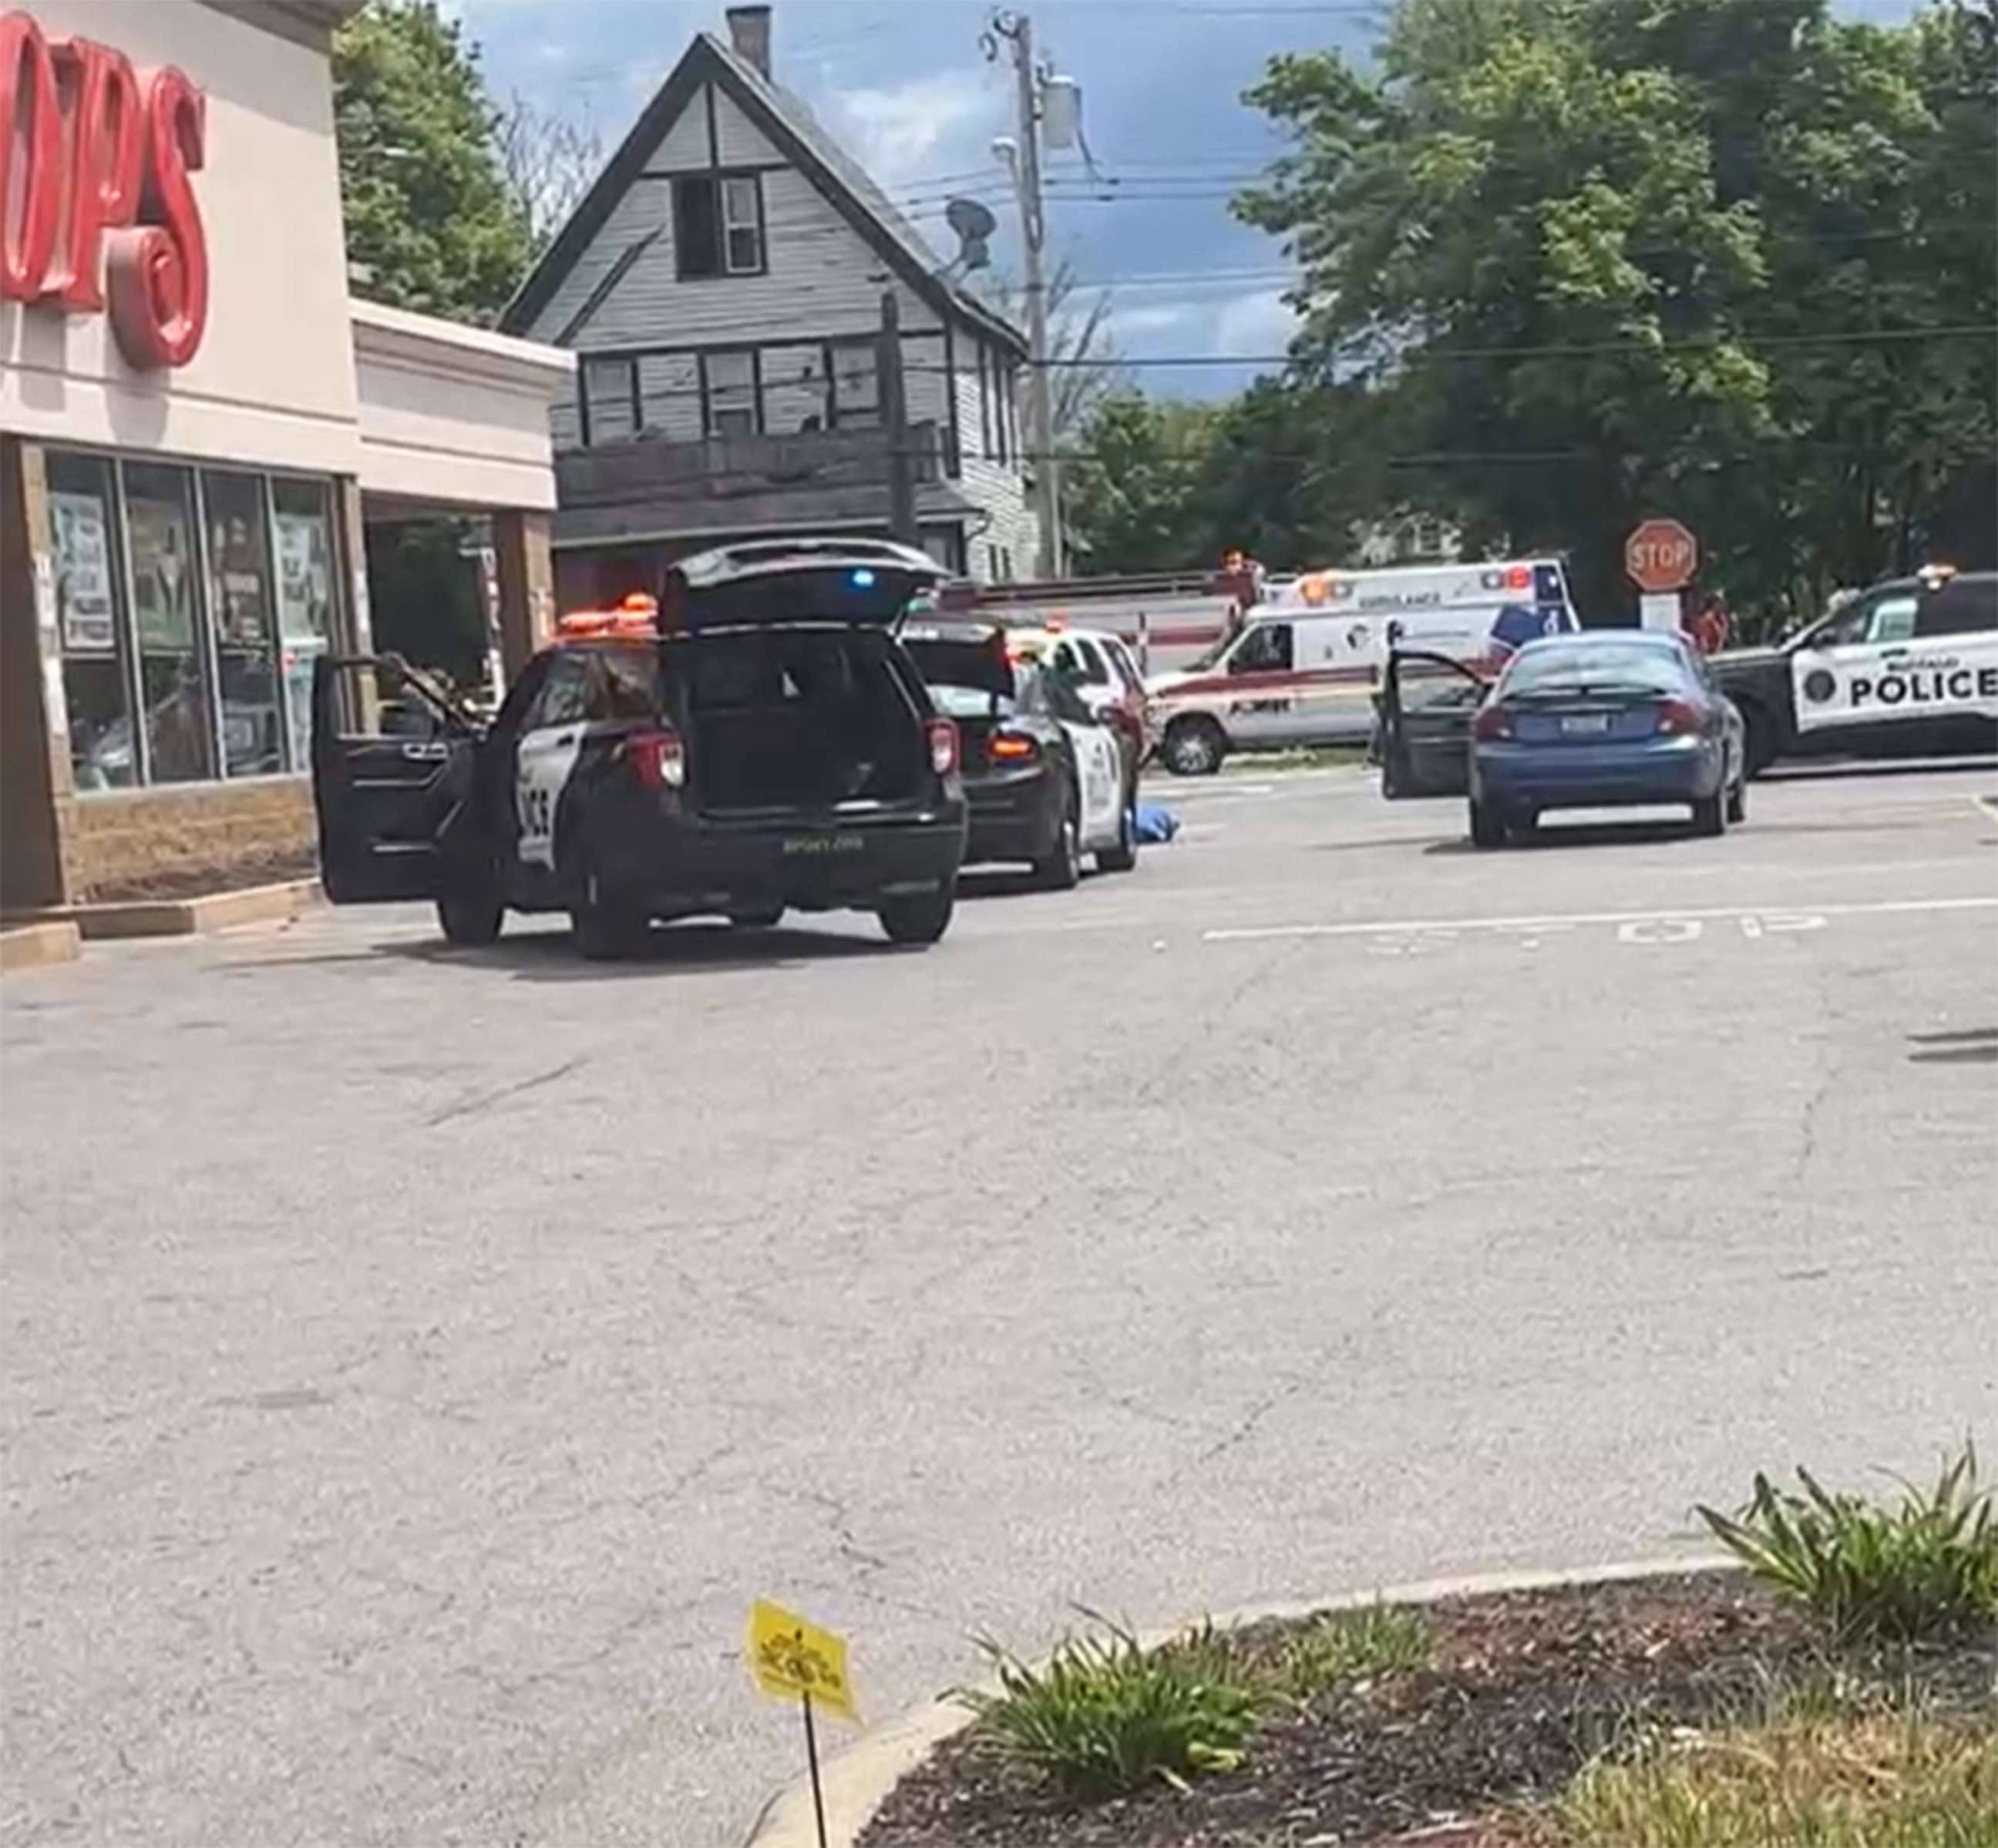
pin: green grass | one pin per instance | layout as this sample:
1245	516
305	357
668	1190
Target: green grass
1925	1567
1341	1647
1106	1716
1811	1780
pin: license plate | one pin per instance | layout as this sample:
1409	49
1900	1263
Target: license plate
1586	724
820	846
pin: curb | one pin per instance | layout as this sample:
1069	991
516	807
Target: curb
184	916
38	945
857	1782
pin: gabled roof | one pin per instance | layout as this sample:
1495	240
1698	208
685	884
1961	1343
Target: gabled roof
796	132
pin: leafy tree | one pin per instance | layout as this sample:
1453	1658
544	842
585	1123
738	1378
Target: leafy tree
423	590
1291	474
1588	260
430	222
1130	493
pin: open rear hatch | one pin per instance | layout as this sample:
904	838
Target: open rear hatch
812	718
867	581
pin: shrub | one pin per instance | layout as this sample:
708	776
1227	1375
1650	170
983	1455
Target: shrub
1927	1568
1106	1716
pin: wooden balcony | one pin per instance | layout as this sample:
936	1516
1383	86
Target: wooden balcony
696	475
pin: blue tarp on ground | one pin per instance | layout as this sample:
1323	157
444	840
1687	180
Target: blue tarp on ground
1155	824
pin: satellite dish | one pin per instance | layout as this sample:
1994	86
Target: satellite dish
974	225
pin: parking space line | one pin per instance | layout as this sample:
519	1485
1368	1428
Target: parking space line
1261	933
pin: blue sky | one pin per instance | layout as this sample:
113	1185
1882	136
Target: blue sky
905	85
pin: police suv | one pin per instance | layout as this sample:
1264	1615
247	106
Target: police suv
1909	667
763	743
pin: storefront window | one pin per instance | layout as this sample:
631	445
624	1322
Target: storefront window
239	601
197	601
166	597
302	522
96	683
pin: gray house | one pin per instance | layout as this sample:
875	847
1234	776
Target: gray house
721	285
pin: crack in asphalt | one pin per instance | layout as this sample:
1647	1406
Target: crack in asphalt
485	1099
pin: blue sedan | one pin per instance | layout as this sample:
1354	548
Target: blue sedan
1608	719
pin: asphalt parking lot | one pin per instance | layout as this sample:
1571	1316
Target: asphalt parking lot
415	1361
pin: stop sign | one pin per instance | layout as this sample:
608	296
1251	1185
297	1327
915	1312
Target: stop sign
1660	555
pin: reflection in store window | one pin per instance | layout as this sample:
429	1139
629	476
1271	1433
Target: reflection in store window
239	596
166	595
302	524
83	518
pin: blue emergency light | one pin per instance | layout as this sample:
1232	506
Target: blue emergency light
861	578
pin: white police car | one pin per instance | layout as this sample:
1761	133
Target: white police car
1908	667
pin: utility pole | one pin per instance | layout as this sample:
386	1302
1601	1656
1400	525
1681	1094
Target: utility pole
1019	29
895	424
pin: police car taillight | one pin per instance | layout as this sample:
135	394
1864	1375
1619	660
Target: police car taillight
657	758
943	746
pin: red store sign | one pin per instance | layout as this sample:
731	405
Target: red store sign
96	208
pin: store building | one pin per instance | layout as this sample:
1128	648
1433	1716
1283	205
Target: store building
197	426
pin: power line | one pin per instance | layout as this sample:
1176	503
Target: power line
1855	336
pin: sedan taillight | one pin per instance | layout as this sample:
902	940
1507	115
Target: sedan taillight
657	758
943	746
1493	723
1677	717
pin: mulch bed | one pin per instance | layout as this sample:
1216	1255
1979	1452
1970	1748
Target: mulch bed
1519	1692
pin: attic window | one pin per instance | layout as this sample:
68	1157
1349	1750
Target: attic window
718	224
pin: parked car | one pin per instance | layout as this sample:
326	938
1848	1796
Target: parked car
1614	718
1044	777
774	748
1910	666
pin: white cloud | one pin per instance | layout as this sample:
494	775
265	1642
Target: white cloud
1134	324
909	133
1257	325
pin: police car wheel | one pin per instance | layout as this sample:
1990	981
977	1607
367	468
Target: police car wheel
1062	867
1123	857
1193	747
1737	803
1487	826
1709	815
922	918
470	919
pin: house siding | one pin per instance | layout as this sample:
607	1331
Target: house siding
998	487
741	142
683	148
823	282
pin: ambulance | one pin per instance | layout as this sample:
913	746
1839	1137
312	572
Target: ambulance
1303	667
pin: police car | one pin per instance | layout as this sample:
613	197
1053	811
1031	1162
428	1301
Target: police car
1909	667
1045	777
763	744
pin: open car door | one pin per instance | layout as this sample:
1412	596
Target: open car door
391	766
1427	702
